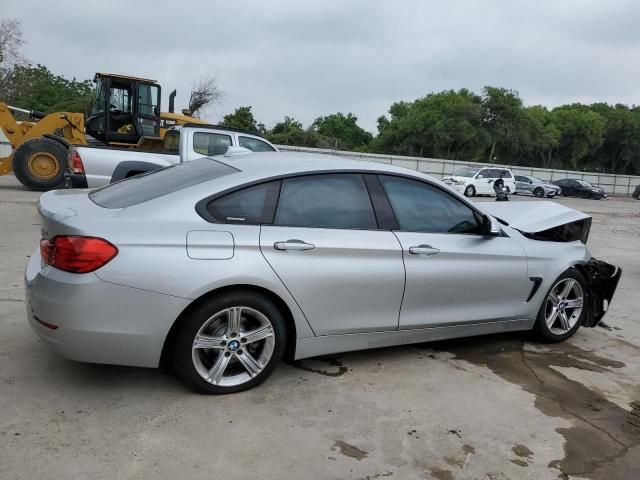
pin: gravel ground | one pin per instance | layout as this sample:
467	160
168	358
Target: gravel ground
493	407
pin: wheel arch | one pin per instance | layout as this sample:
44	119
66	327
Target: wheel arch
290	347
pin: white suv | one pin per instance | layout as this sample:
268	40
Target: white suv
474	181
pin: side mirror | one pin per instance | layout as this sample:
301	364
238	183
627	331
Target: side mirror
490	226
480	176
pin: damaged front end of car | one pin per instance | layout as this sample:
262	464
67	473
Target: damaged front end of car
602	278
551	222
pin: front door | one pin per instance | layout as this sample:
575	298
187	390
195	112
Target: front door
454	274
345	274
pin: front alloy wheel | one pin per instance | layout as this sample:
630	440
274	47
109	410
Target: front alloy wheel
230	343
561	313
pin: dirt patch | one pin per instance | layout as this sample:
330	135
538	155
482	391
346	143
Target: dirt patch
441	473
604	433
522	451
454	462
349	450
520	463
306	366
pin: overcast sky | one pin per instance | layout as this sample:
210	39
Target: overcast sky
306	59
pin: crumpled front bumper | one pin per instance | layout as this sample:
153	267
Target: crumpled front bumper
602	279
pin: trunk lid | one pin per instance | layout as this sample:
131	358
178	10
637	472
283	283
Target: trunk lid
60	210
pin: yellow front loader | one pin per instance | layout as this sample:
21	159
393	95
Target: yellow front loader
126	113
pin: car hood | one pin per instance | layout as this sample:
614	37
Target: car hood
533	217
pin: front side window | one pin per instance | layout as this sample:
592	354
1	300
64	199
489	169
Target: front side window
211	144
253	205
420	207
484	174
255	145
325	201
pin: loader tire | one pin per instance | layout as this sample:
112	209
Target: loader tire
39	164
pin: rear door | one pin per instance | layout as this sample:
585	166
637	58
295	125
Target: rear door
346	275
454	274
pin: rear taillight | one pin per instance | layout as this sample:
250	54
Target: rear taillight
75	162
77	254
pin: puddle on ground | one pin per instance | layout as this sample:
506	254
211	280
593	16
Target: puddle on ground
603	433
306	365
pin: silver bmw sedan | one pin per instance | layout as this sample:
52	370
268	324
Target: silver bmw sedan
222	266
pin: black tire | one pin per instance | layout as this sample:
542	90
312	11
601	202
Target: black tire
183	362
470	191
541	330
52	153
538	192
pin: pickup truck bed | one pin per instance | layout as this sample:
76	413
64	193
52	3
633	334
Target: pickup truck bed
92	166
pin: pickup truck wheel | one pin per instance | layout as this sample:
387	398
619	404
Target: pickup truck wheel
39	164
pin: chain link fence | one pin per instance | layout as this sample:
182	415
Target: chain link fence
439	168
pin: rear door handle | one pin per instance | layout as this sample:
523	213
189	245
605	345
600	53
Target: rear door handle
293	244
426	250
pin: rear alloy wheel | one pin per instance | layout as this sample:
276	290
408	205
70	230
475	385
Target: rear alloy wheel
470	191
538	192
563	309
230	344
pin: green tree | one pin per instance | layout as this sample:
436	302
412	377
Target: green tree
503	120
287	132
242	118
581	134
37	88
343	130
621	137
541	136
447	124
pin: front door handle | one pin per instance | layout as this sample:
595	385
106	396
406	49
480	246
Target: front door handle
293	244
426	250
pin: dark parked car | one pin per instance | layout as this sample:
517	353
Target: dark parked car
579	188
636	193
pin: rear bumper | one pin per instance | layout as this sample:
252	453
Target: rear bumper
97	321
74	180
602	278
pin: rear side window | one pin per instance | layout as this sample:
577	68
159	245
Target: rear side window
420	207
255	145
325	201
157	183
211	144
253	205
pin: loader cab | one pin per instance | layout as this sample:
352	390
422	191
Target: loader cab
126	109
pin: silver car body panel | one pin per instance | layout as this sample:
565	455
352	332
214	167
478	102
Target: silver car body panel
346	293
533	183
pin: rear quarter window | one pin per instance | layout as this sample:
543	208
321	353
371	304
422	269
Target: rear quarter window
157	183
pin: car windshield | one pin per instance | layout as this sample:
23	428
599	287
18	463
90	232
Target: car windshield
536	180
466	172
584	184
157	183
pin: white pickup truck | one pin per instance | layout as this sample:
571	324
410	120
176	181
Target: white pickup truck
95	166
